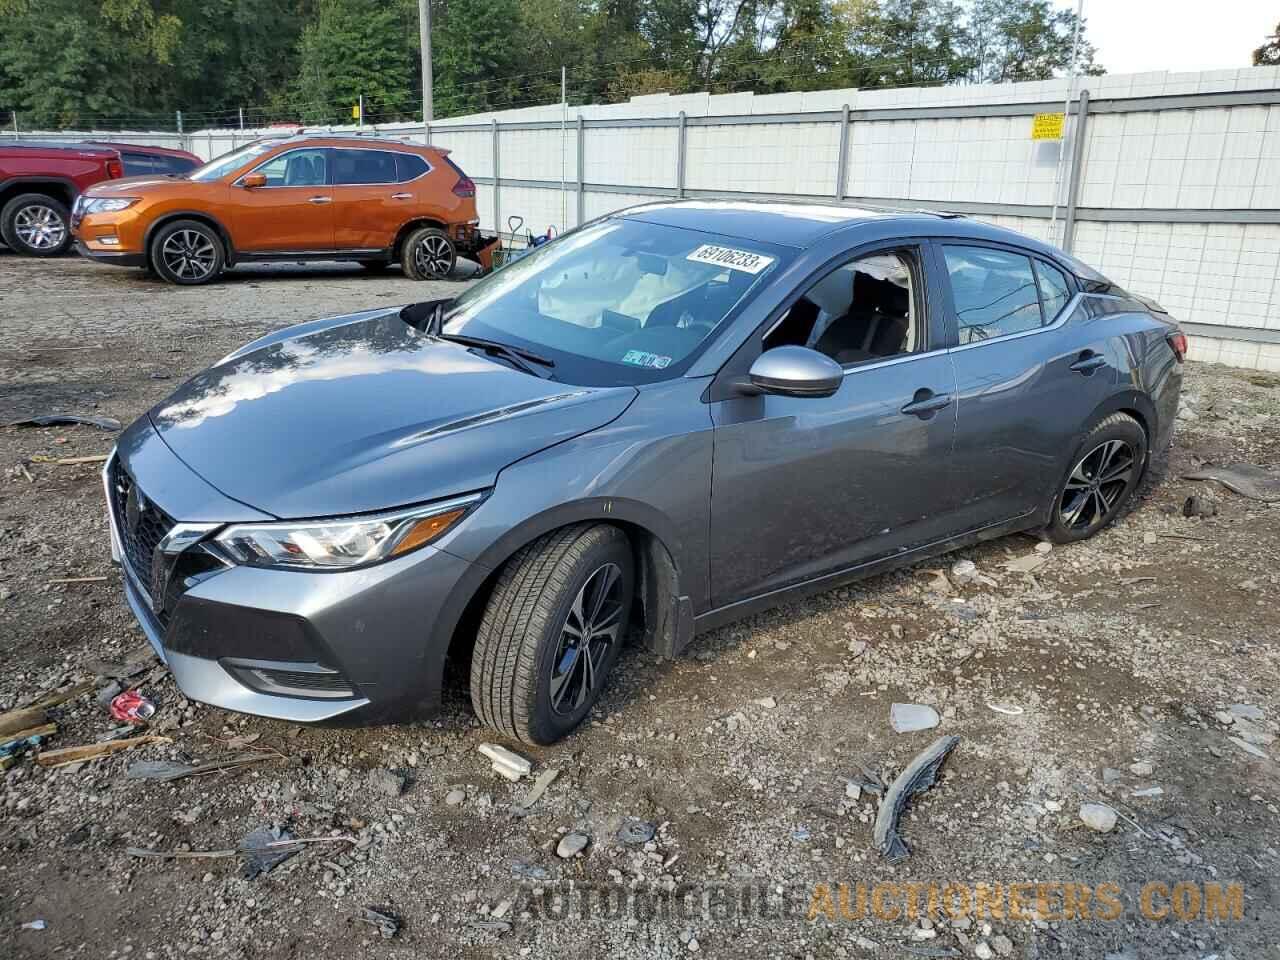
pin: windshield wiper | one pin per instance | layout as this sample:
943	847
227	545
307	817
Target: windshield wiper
517	356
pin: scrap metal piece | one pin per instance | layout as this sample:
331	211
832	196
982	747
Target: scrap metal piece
388	923
57	419
920	774
264	850
1245	479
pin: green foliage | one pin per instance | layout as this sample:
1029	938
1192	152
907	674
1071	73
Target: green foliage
69	62
1268	55
355	47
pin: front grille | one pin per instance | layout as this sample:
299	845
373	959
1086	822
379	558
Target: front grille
139	535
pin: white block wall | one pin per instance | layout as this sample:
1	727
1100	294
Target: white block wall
760	158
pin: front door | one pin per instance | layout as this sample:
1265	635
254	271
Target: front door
293	212
1031	367
805	487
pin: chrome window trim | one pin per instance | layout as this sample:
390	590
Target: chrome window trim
386	183
1058	322
893	361
239	181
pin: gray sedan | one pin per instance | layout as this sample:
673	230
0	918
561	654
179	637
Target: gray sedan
669	418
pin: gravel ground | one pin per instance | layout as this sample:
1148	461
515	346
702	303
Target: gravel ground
1124	654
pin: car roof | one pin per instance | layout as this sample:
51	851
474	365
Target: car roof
338	140
77	145
800	224
140	148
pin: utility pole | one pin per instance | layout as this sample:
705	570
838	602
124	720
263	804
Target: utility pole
424	28
1066	108
564	118
242	118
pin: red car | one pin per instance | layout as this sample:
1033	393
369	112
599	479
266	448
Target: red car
40	180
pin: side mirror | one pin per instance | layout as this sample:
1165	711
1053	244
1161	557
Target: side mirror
251	180
793	371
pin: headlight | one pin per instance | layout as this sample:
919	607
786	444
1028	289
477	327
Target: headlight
343	542
108	204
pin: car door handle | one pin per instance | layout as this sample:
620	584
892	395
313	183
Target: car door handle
926	403
1088	362
319	199
402	196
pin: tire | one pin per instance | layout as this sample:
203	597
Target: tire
36	224
428	254
1086	500
187	252
526	683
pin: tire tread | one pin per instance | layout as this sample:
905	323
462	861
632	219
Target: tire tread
518	614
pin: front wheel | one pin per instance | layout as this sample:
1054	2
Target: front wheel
428	254
187	253
36	224
1107	470
551	632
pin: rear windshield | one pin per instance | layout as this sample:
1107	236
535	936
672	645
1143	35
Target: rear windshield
617	302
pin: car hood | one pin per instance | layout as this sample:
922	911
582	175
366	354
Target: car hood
133	186
367	415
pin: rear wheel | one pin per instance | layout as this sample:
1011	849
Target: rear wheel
187	252
36	224
551	632
428	254
1107	469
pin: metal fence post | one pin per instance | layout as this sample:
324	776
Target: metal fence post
1077	164
842	162
497	181
582	190
681	139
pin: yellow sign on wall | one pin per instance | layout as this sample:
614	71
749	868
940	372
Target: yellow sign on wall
1047	126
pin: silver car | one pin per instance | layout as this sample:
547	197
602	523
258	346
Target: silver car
669	418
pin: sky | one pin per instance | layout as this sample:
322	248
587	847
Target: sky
1133	36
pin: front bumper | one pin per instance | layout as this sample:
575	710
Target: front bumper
291	645
117	258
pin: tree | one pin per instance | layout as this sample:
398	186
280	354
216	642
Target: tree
355	48
1012	40
1268	55
897	43
477	51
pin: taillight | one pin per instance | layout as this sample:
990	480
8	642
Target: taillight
465	187
115	169
1178	343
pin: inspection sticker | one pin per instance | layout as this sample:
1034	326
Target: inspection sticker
743	260
639	358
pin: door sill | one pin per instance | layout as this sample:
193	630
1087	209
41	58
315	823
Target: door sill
728	613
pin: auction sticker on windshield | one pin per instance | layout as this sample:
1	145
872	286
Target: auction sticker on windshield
640	358
718	256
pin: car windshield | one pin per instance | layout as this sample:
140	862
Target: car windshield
617	302
221	166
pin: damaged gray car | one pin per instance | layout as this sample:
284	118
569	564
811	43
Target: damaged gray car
670	418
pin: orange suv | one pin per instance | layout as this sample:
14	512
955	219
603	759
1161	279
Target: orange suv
294	198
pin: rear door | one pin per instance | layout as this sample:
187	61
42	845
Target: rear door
805	487
373	193
1031	367
293	212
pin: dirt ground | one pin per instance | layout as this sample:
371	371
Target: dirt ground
1124	654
